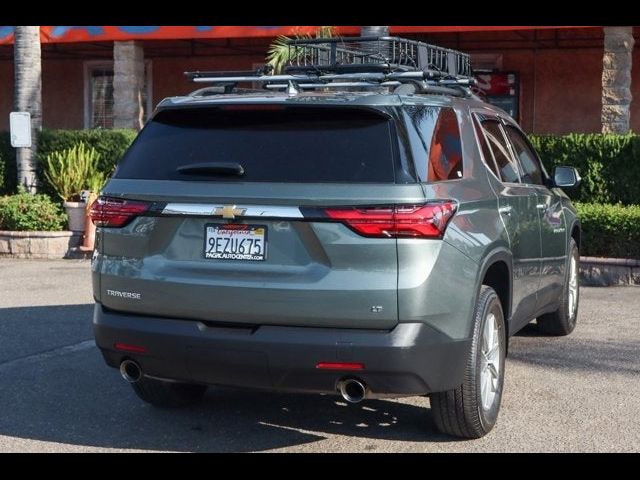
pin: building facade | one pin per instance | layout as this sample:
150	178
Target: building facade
549	78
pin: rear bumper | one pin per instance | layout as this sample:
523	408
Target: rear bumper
411	359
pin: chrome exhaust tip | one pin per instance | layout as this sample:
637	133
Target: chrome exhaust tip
130	371
352	390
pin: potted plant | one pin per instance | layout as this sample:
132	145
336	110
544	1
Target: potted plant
67	172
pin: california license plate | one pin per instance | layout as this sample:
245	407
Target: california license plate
235	242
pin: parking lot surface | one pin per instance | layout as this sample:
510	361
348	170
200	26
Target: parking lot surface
577	393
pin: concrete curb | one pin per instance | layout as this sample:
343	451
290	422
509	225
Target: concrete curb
606	272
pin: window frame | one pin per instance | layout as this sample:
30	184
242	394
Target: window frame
497	118
475	120
536	158
89	66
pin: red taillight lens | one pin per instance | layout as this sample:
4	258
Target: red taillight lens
340	366
115	212
125	347
413	221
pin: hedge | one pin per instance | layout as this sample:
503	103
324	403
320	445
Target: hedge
609	164
111	144
610	230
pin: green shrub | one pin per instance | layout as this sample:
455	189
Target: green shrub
110	144
73	170
608	164
26	212
7	165
610	230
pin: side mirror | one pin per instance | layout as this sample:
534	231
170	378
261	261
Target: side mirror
566	177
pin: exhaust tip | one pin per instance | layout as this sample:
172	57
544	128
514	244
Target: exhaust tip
352	390
130	371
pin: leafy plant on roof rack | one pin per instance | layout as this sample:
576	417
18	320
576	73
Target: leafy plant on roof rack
280	55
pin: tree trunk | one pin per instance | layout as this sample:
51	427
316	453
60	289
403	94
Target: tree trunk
375	47
28	98
616	79
128	82
374	31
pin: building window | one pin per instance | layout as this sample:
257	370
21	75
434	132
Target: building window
98	85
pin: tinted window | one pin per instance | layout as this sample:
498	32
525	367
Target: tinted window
434	135
531	172
487	156
272	145
445	154
497	144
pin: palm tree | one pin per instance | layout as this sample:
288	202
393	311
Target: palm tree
279	54
28	97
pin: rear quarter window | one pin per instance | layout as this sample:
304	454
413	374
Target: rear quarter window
434	137
445	154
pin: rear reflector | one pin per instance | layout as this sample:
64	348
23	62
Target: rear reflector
398	221
124	347
116	212
340	366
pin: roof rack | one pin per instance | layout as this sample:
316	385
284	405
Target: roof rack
386	54
358	62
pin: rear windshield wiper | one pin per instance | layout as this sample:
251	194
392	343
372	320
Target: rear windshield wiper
212	168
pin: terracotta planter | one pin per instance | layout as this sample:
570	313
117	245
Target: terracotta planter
89	238
76	213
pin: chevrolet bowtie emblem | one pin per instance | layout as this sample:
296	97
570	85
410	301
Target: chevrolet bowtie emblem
229	211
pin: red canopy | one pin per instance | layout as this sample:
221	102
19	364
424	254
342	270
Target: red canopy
64	34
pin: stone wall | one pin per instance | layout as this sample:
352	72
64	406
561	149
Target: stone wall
42	245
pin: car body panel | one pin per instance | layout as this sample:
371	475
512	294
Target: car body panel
328	293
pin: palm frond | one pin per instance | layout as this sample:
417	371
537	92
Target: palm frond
280	54
326	32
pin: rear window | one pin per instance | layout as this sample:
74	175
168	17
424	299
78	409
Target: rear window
271	144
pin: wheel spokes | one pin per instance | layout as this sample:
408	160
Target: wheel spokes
490	361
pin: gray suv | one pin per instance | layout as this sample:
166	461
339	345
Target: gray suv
372	230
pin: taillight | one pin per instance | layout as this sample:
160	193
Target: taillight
340	366
125	347
116	212
413	221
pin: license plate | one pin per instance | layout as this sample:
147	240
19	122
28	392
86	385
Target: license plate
235	242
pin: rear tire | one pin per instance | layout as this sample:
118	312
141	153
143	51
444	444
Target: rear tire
563	321
471	410
165	394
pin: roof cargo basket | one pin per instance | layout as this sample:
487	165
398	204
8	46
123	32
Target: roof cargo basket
386	54
358	62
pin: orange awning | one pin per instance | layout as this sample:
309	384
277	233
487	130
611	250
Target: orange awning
68	34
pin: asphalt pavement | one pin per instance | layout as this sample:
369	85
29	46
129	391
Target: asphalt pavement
573	394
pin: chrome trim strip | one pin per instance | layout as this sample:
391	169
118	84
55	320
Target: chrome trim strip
208	209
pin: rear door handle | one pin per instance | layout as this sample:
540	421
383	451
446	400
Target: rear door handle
505	210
